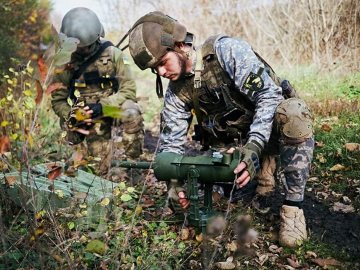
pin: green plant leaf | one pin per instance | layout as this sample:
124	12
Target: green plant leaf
67	45
111	111
96	246
71	225
125	197
122	186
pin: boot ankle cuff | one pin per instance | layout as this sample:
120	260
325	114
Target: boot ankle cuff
292	203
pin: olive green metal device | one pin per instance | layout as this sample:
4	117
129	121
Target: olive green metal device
219	168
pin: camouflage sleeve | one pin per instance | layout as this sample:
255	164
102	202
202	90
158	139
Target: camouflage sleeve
242	65
175	121
59	96
127	86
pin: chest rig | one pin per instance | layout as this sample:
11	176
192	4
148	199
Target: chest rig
223	113
95	78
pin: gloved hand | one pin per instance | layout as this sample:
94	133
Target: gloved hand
96	108
251	153
131	119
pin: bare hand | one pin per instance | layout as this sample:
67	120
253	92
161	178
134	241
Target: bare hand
89	113
184	202
244	176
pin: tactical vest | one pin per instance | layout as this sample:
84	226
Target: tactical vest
222	113
97	79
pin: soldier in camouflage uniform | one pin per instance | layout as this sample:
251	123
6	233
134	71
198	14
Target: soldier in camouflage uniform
236	97
97	76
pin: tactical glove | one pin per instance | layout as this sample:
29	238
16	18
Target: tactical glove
96	108
132	119
251	153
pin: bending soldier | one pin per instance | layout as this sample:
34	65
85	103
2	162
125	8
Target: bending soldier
98	75
236	96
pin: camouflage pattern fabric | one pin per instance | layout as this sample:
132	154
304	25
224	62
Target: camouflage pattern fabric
240	63
111	63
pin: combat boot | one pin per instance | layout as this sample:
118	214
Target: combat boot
265	177
292	227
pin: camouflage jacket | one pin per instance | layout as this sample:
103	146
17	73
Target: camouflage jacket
240	63
112	63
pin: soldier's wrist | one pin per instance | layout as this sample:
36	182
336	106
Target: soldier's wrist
254	146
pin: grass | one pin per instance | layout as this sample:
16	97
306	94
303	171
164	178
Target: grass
323	86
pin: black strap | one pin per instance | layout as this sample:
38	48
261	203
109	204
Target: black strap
84	65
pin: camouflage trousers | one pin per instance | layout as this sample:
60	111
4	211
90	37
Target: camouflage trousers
292	138
120	146
295	161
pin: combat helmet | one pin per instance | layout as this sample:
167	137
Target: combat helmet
83	24
152	36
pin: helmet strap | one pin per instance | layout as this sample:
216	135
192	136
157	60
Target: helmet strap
159	86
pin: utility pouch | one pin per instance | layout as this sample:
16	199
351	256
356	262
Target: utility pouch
288	90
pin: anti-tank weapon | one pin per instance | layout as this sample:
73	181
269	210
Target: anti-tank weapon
218	168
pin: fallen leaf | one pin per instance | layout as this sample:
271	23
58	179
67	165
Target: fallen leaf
225	265
340	207
199	237
313	179
39	231
10	180
293	263
138	210
321	158
54	173
310	254
232	246
184	234
326	262
326	127
148	202
275	249
105	202
42	68
351	147
337	167
39	92
55	86
262	259
59	193
322	194
319	144
4	144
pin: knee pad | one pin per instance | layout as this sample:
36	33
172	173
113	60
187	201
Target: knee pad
294	120
131	117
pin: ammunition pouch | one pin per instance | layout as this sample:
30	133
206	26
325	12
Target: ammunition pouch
94	78
288	90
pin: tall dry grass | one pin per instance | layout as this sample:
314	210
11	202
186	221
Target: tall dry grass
325	33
